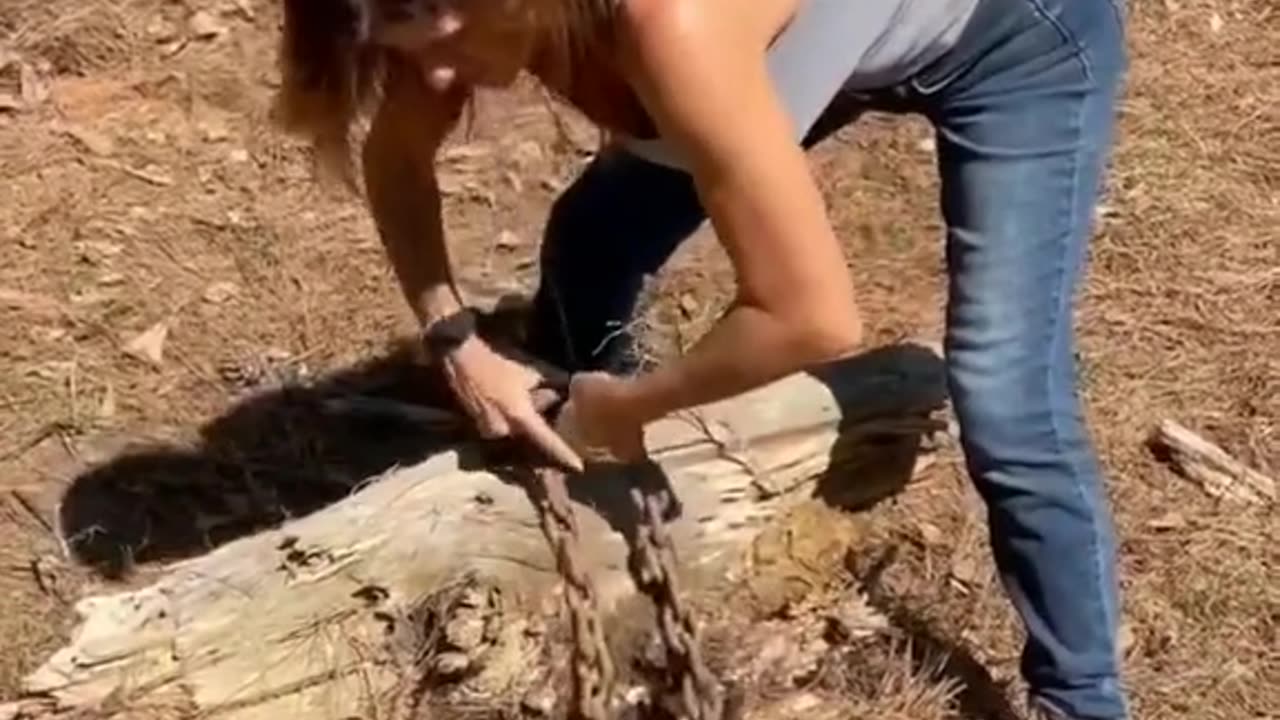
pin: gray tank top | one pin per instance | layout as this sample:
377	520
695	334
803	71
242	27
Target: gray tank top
831	45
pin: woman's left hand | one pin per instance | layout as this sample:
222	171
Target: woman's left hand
599	420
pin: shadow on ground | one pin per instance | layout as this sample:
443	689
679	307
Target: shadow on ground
932	651
280	453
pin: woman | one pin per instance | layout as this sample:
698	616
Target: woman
714	102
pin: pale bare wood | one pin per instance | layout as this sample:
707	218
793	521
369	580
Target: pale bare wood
1212	468
276	624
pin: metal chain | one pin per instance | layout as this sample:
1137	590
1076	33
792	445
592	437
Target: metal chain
593	671
655	569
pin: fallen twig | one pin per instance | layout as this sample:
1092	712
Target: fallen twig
1211	467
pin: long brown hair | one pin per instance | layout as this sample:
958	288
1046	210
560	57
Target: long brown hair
331	72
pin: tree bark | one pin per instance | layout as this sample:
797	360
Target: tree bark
292	622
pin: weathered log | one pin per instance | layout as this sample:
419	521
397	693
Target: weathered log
288	623
1211	467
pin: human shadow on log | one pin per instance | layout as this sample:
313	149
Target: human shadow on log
281	453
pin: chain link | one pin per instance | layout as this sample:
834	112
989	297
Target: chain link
593	671
654	568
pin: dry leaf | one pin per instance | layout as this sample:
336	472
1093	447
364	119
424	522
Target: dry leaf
931	534
149	346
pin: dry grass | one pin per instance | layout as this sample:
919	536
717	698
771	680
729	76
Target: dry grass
148	188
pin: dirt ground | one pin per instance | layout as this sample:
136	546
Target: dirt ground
164	252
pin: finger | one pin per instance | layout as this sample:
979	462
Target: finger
530	424
546	398
494	424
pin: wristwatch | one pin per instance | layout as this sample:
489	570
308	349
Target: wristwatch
445	335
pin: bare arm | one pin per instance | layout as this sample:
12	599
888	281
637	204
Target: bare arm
399	170
700	67
404	197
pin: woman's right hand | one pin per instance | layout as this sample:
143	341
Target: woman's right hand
505	396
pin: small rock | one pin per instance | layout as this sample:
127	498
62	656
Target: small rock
245	8
527	153
688	305
213	130
204	26
964	573
465	633
508	240
803	703
517	185
1126	638
220	292
161	30
473	598
539	702
1173	520
451	665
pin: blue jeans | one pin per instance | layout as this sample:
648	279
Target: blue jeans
1023	109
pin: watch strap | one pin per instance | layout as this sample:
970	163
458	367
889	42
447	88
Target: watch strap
446	334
